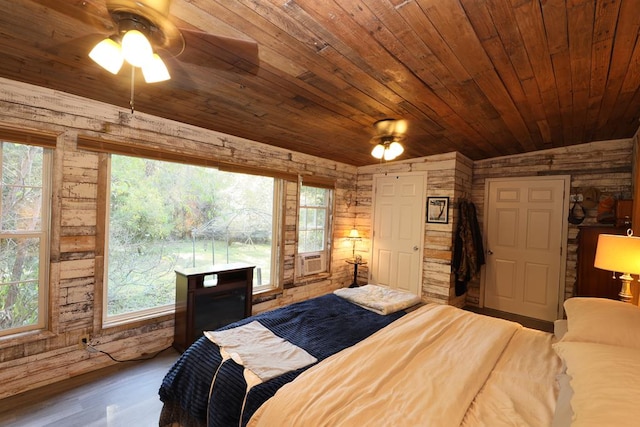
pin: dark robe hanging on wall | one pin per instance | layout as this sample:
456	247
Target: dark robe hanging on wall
468	253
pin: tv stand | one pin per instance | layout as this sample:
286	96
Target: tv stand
208	298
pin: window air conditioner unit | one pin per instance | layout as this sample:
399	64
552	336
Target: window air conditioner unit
312	264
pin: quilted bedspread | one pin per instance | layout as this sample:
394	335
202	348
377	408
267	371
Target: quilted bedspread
438	366
322	326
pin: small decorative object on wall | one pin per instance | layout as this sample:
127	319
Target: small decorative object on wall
438	210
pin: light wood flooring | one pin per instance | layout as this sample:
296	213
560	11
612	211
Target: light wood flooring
123	395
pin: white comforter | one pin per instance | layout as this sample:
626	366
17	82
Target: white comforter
436	366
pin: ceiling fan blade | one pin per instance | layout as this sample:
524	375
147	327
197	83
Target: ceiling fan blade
212	51
390	127
76	51
90	12
180	78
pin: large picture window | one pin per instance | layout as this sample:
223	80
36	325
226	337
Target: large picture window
165	215
24	224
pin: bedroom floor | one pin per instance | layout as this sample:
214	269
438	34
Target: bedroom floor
525	321
123	395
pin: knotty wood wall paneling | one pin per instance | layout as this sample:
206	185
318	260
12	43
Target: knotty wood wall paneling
78	224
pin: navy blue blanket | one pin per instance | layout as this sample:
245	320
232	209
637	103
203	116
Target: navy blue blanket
322	326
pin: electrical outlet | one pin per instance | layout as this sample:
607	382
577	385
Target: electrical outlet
83	342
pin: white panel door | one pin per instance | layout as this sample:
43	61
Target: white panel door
525	231
398	229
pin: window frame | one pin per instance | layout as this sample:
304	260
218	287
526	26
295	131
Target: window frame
328	225
47	143
278	210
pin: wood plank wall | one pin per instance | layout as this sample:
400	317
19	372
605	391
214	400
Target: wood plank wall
605	165
75	308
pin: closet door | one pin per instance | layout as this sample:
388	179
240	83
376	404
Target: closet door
398	230
526	231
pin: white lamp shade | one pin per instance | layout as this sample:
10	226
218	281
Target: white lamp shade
396	148
378	151
155	70
353	234
108	55
388	154
136	49
388	151
618	253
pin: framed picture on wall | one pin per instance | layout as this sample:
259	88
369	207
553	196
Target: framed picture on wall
438	210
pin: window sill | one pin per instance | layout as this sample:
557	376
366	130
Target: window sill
139	320
266	292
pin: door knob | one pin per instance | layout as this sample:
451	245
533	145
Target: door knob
490	252
415	248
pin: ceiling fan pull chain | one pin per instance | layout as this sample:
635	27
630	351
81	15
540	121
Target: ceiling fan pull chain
133	77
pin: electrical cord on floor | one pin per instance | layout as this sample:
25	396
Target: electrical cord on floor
92	349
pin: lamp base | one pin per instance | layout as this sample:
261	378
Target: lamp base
625	292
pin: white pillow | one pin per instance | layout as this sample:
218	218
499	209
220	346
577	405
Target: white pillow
603	321
605	381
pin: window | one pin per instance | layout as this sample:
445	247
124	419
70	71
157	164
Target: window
314	228
24	223
164	215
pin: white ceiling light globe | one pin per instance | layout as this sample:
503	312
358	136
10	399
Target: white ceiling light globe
136	49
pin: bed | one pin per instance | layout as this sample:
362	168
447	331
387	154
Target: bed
207	386
442	366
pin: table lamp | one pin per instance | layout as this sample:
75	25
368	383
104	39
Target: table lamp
354	236
619	254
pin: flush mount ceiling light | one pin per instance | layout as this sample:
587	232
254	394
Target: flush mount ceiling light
389	133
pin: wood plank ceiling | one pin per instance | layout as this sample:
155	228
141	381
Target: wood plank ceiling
482	77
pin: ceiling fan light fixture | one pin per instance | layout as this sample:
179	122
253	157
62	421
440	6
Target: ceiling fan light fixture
388	155
388	150
396	149
155	70
378	151
136	49
108	54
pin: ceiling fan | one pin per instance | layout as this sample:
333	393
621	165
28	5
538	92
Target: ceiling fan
387	137
148	21
139	28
